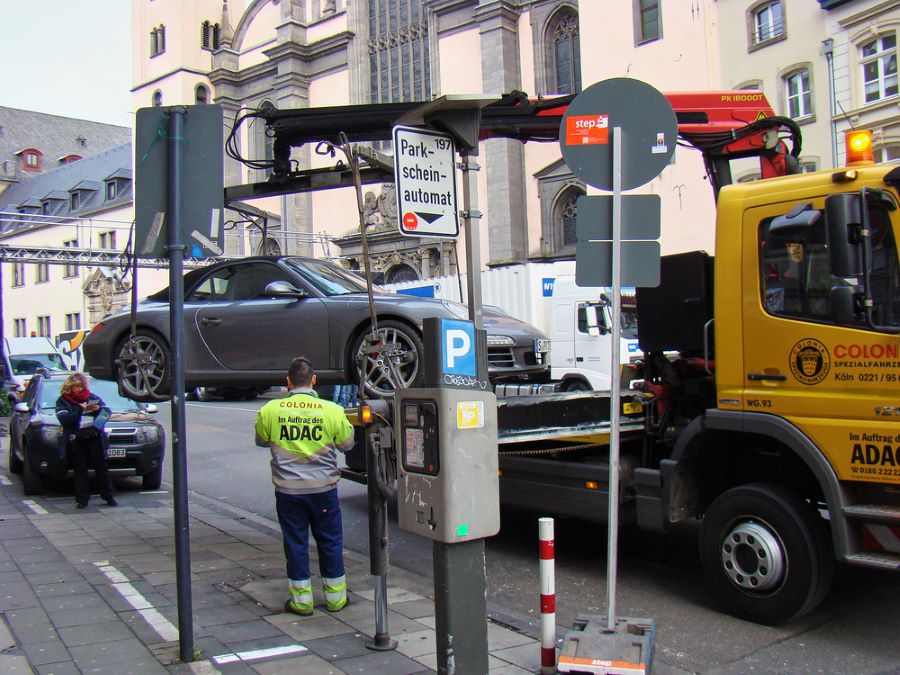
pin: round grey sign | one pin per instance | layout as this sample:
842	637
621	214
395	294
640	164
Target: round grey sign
649	132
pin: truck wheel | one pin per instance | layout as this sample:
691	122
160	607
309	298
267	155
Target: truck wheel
152	480
32	481
766	553
394	353
576	385
144	363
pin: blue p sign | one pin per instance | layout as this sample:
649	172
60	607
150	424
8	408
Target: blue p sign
458	347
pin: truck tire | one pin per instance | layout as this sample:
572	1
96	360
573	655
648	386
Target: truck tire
766	553
576	385
32	481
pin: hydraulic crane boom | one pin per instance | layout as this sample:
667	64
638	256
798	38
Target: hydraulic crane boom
722	125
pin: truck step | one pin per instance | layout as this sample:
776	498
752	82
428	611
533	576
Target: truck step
885	561
882	513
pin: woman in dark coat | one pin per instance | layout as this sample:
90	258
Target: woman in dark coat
85	445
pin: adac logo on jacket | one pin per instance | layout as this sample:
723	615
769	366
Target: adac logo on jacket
810	361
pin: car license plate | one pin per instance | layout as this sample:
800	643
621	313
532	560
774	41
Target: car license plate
116	452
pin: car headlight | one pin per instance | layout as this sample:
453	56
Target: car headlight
456	309
500	341
50	435
147	434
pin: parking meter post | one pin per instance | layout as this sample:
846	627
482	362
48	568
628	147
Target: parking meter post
175	251
377	493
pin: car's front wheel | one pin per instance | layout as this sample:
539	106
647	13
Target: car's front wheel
389	358
144	366
152	480
32	481
15	464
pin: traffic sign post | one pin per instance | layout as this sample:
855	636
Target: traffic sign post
425	175
609	119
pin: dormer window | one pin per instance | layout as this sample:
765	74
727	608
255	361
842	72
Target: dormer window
46	207
75	201
31	159
68	159
110	190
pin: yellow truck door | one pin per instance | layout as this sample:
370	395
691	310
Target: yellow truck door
837	383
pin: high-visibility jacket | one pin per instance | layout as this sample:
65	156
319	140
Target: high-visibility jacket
304	434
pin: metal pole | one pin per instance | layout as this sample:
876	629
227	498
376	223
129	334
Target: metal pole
179	437
460	599
378	542
615	381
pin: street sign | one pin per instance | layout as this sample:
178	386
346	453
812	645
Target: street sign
649	132
640	218
202	181
640	248
425	175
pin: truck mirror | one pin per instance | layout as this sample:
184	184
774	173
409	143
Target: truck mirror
843	221
844	305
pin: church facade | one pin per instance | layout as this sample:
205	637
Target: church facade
317	53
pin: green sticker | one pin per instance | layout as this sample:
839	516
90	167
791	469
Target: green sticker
462	530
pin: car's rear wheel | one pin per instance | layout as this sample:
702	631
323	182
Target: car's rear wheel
15	464
144	366
202	394
152	480
389	358
32	481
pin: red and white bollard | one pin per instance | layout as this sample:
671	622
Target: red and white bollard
548	596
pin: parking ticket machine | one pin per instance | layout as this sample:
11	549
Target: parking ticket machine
448	488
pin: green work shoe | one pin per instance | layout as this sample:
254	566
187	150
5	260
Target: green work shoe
294	608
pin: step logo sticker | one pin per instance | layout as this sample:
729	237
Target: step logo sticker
810	361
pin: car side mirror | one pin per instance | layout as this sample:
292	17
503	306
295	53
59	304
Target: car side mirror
151	408
282	289
21	407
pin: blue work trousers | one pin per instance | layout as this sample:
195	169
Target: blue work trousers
320	512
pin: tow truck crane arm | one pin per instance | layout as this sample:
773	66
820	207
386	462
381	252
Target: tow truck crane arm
722	125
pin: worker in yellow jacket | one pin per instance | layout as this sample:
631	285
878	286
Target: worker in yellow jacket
304	434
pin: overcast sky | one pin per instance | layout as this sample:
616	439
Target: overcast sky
67	57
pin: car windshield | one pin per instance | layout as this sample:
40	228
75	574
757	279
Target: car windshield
326	278
108	391
27	364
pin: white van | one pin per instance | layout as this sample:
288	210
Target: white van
22	356
581	339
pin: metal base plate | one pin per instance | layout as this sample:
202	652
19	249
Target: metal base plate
589	647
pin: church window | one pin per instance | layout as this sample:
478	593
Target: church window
398	51
564	53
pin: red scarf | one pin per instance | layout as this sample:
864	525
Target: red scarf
80	397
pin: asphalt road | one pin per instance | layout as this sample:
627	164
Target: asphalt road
853	631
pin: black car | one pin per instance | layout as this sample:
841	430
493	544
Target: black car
136	441
244	321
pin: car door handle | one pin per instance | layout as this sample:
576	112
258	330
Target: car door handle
758	377
210	322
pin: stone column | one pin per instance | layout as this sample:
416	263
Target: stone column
504	159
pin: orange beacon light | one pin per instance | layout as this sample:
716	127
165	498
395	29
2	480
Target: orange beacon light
858	145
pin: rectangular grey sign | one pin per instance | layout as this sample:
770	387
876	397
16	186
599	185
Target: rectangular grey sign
640	263
640	217
203	181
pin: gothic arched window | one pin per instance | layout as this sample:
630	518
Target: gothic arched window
201	94
564	217
563	53
398	52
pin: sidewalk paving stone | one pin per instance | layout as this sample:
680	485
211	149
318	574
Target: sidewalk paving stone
43	653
